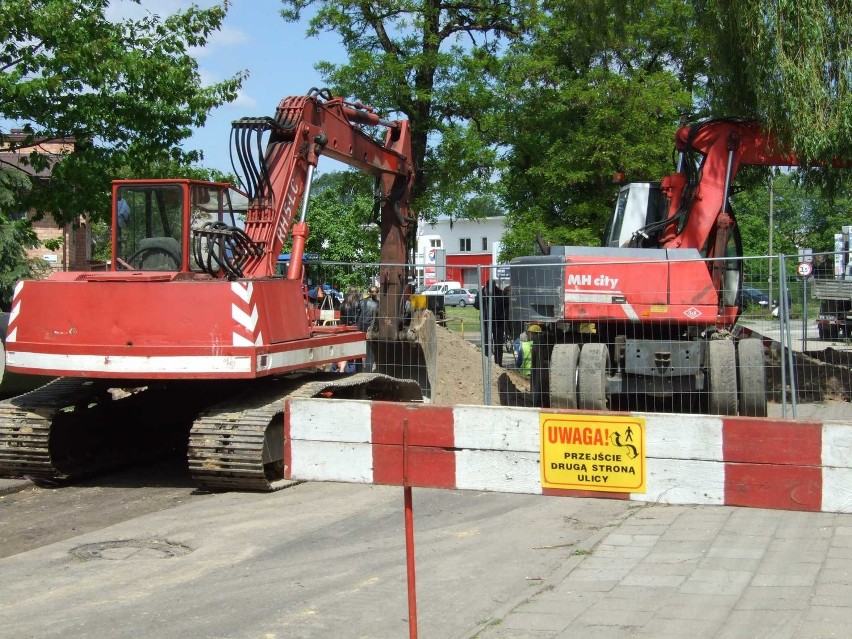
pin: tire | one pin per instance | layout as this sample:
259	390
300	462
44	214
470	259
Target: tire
591	378
462	303
563	375
751	374
722	377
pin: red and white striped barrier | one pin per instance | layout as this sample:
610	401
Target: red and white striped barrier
690	459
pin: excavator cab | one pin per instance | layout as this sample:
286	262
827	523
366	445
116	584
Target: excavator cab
154	221
639	204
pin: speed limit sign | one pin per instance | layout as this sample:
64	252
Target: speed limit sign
804	269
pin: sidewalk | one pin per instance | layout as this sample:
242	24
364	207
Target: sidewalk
669	572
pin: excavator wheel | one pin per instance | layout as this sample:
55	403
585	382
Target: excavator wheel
721	370
591	379
563	375
752	377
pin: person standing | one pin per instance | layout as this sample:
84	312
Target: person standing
368	309
349	317
500	305
493	307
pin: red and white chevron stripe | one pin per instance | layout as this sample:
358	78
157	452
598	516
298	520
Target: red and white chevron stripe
244	313
14	312
691	459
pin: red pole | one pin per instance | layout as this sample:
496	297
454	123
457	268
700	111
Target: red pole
409	538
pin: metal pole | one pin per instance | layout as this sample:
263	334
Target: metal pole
409	537
483	340
771	226
805	314
782	339
791	360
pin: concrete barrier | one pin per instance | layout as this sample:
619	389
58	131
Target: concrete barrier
689	459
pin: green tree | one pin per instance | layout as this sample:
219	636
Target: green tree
597	87
787	63
129	93
341	217
433	62
803	216
16	235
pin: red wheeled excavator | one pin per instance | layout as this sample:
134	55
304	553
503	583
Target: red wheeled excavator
652	313
192	326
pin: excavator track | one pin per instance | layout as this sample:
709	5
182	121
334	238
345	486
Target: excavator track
25	428
72	427
239	444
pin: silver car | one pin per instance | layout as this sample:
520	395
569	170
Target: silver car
459	297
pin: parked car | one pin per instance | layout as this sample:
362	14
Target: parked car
459	297
750	296
441	288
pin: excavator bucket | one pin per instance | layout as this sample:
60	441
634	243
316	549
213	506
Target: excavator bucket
413	354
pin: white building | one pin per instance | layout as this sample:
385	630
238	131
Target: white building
452	250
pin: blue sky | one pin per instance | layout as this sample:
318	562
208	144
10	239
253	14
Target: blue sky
279	57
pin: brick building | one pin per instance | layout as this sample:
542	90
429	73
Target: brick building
75	250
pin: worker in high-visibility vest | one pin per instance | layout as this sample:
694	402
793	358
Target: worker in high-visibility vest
523	350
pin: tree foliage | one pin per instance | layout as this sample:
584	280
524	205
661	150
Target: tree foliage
16	235
543	100
787	63
597	87
803	216
342	219
128	92
433	62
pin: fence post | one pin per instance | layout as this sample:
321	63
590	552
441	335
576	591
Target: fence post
786	334
484	304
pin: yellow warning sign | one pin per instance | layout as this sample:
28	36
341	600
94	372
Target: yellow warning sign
593	452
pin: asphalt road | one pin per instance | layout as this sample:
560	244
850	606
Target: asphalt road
114	558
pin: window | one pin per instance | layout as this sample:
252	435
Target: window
484	243
436	243
150	226
464	244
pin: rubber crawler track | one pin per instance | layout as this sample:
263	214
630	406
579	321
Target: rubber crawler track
227	442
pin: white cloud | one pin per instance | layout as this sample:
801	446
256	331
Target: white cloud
244	101
225	37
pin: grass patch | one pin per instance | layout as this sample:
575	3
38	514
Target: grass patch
458	317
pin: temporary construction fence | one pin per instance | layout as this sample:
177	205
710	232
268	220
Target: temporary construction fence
625	332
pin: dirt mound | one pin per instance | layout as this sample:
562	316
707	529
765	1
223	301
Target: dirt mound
460	372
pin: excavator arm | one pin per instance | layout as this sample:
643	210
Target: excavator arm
698	193
277	157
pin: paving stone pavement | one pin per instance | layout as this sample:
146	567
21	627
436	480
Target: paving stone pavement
696	572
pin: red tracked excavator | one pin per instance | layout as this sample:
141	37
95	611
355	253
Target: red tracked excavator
653	311
191	325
